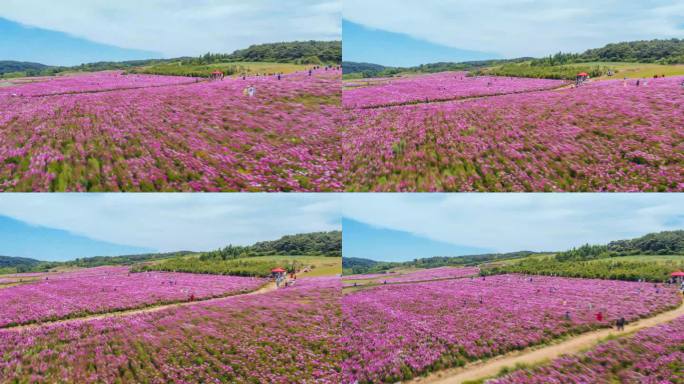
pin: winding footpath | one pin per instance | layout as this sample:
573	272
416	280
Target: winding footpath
490	368
375	283
270	287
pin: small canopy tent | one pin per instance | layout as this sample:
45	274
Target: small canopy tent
581	78
278	272
678	277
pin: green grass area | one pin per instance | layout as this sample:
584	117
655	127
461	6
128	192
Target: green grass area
654	258
642	70
597	70
249	266
650	268
559	72
230	69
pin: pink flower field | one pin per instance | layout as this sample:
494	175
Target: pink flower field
438	87
167	135
436	274
287	336
397	332
603	136
110	289
91	82
651	356
419	275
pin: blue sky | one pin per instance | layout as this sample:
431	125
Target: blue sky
375	243
424	225
23	43
362	44
50	226
172	28
513	28
23	240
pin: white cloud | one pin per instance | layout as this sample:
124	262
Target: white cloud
515	28
512	222
170	222
181	27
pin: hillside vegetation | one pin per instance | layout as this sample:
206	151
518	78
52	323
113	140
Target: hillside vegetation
263	59
355	266
228	69
259	266
296	53
644	51
596	62
632	259
15	68
17	264
558	72
308	244
292	252
353	70
254	260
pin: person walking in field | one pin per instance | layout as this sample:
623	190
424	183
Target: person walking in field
567	316
599	316
620	323
250	91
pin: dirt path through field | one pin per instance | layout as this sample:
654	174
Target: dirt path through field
354	288
490	368
462	99
270	287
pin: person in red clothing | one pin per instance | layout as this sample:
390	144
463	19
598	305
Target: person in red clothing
599	316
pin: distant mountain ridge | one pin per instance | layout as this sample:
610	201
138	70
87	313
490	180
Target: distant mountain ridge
12	262
8	66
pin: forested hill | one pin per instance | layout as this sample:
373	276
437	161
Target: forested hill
317	243
295	52
301	52
645	51
652	257
352	67
306	244
662	243
13	262
18	66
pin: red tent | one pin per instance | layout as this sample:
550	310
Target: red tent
677	274
278	270
582	74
